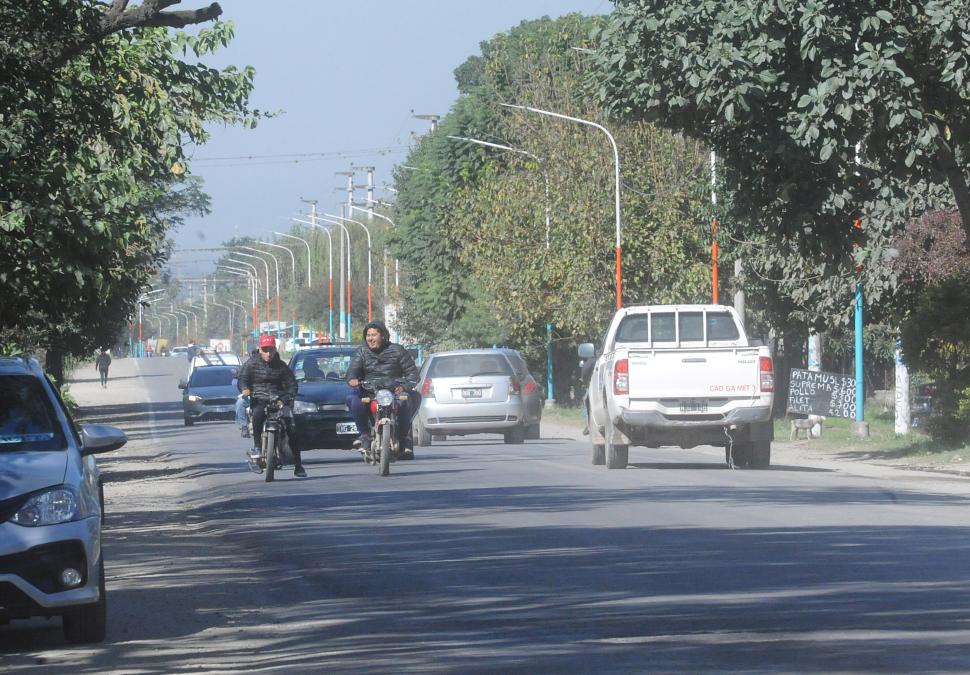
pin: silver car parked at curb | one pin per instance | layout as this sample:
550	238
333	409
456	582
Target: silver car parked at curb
51	505
476	391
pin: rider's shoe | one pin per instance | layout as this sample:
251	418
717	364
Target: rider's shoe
255	453
244	432
407	448
363	442
299	471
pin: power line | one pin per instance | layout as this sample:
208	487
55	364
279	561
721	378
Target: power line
337	154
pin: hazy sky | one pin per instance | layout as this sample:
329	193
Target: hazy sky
347	76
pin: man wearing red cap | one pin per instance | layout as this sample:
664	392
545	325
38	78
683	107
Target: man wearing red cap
268	382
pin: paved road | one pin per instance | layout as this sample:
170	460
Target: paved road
481	557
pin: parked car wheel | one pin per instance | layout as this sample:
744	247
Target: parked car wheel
532	432
515	436
188	421
422	437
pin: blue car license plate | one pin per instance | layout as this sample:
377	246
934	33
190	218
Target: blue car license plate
346	428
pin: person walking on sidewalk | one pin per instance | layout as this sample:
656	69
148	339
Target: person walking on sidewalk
102	363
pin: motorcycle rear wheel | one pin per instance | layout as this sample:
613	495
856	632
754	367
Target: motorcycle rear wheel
269	453
385	450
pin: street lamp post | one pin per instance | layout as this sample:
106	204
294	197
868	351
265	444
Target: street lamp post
266	265
293	277
144	298
314	224
276	266
370	291
616	164
252	269
253	280
347	286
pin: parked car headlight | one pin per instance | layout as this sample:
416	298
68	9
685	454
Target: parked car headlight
304	407
194	399
58	505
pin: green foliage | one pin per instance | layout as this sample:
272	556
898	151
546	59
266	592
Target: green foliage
94	164
473	232
935	341
820	113
820	109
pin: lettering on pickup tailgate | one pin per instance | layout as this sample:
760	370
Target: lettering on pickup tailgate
728	388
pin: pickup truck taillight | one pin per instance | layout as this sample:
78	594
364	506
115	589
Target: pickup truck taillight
767	373
427	389
621	377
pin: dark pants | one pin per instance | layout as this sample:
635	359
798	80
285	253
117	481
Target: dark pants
362	416
104	376
258	409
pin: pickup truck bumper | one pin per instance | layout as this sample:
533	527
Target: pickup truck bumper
658	420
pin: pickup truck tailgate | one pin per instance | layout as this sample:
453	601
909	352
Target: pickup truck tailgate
693	374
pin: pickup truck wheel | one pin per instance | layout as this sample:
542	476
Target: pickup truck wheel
599	454
617	456
760	457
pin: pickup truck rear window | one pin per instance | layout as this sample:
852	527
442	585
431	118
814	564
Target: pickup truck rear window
634	328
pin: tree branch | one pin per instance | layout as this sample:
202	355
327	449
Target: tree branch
149	14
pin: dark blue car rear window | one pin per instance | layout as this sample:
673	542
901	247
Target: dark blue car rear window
27	417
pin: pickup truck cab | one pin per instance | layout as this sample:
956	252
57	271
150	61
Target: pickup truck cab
680	375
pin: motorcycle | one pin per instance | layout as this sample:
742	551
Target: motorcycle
275	440
385	406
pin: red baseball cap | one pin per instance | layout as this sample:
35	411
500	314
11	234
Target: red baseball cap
267	341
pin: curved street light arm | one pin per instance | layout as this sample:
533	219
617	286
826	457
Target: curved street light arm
616	158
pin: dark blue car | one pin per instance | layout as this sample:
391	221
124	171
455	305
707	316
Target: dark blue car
320	416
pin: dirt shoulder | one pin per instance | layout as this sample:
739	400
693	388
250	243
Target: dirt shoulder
875	452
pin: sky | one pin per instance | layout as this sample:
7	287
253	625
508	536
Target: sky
348	78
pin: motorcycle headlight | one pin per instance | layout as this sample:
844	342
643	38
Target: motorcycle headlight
304	407
384	397
58	505
194	399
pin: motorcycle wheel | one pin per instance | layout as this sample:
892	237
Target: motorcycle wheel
385	449
269	453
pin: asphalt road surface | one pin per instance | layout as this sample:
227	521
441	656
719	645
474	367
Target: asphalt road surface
482	557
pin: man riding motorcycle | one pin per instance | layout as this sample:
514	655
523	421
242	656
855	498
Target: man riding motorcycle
269	381
383	363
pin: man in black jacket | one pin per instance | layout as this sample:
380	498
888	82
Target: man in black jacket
386	364
269	381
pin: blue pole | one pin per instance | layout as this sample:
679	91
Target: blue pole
860	394
330	334
343	319
549	395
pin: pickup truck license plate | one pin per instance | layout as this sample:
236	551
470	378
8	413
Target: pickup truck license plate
693	405
346	428
471	393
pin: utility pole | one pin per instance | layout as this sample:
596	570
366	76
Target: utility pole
370	190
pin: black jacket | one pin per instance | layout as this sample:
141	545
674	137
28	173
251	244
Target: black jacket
390	366
103	361
268	381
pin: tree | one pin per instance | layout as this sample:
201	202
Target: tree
474	239
820	110
93	150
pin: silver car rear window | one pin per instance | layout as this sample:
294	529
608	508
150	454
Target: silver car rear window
469	365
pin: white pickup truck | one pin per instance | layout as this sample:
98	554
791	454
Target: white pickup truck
680	375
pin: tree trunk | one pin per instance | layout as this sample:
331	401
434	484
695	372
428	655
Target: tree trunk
957	181
54	365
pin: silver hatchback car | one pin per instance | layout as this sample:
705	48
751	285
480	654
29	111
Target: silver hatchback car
50	505
476	391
